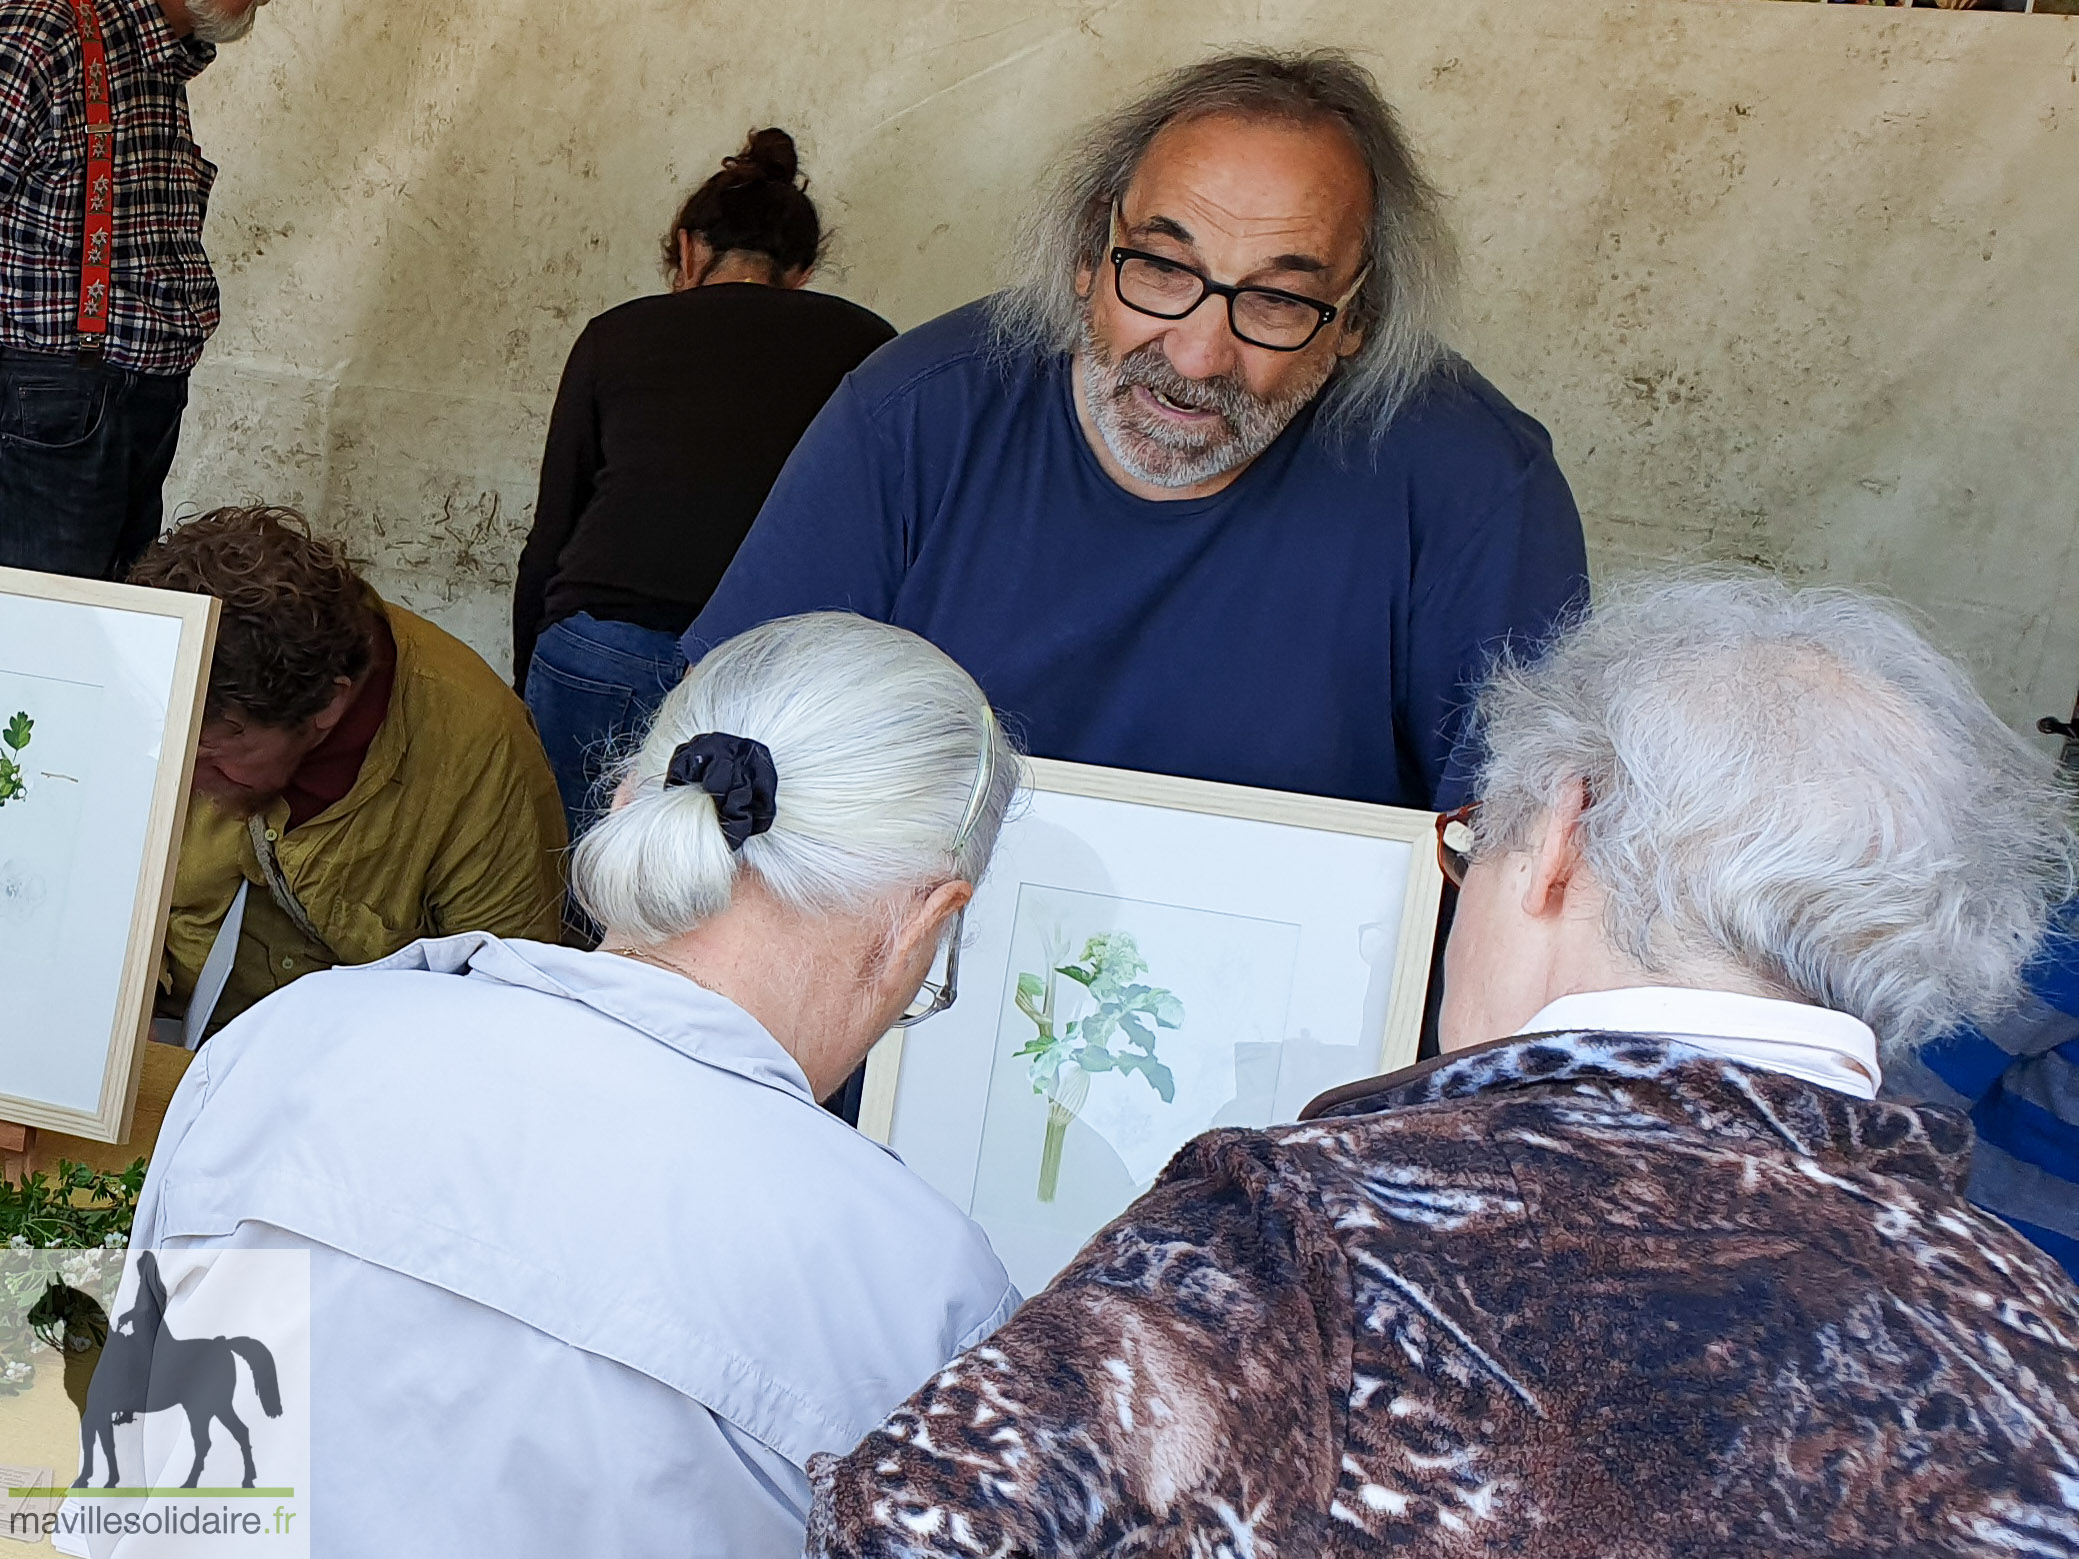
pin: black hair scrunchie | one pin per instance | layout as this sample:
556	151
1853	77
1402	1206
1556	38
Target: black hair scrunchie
737	772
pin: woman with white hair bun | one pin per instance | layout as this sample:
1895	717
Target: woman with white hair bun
590	1270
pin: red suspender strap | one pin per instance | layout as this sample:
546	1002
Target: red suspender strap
98	240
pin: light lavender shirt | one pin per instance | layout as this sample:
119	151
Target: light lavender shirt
591	1272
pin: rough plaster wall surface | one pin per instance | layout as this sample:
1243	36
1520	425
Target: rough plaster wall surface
1789	284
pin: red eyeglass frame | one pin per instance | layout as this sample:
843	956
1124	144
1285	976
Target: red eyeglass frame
1454	862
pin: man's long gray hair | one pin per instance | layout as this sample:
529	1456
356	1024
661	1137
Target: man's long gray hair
1408	246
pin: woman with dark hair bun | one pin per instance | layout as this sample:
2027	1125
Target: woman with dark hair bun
752	219
673	419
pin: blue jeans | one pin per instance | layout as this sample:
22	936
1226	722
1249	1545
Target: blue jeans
593	686
84	451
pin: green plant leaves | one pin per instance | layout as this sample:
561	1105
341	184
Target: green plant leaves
14	784
1159	1077
1108	961
76	1210
1117	1035
79	1209
1047	1056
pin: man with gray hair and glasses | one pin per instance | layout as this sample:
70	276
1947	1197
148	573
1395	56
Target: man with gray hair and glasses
1202	493
1641	1265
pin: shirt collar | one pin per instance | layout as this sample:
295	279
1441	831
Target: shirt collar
328	771
1813	1044
162	50
669	1008
385	751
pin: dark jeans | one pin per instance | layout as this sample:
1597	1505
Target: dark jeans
593	686
84	451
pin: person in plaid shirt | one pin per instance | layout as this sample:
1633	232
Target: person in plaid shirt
86	438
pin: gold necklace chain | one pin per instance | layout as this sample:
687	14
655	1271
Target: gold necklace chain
654	961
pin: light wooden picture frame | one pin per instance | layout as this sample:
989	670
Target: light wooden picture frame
1149	957
101	698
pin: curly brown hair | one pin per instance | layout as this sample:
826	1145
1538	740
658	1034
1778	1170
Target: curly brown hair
295	614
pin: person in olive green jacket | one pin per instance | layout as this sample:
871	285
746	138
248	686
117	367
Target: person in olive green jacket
362	778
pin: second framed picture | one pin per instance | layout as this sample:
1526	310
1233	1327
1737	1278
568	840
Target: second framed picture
101	696
1149	958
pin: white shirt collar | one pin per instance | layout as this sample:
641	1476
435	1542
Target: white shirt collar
1815	1044
670	1008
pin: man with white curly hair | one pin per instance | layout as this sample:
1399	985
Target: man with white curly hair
106	296
1202	492
1639	1266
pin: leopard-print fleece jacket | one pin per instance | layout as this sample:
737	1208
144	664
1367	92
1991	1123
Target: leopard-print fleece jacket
1573	1294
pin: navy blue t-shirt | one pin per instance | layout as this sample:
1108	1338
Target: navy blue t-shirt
1317	626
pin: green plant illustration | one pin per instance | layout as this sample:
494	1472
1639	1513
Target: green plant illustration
14	736
1114	1036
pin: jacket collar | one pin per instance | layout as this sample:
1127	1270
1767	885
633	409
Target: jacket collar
385	755
1833	1049
1922	1142
667	1007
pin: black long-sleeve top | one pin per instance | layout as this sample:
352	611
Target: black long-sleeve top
673	419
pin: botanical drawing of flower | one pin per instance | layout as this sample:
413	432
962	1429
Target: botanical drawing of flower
1113	1037
14	736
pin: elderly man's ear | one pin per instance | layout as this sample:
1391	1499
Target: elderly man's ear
343	689
1555	861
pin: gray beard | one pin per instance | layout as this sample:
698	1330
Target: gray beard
1163	455
213	22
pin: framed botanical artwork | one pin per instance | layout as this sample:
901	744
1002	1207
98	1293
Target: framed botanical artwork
1150	957
101	689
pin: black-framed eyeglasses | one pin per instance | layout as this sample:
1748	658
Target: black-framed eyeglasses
1455	842
1268	317
934	997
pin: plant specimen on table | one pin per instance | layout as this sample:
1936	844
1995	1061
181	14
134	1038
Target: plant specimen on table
60	1264
1116	1034
14	736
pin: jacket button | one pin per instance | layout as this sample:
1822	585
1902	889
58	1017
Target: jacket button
288	963
272	835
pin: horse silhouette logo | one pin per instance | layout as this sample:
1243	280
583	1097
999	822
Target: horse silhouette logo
145	1368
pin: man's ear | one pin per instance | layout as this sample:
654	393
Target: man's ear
1352	341
1556	860
335	711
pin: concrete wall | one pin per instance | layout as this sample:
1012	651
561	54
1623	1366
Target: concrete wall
1789	283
